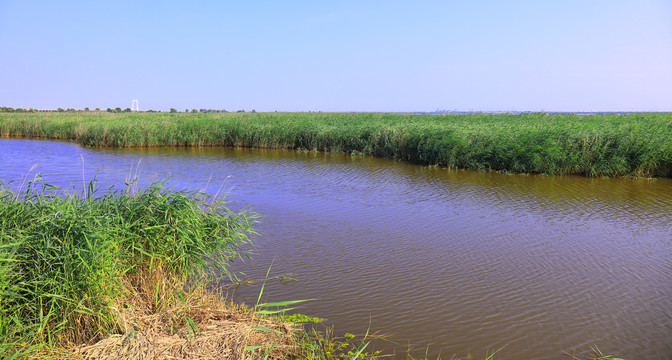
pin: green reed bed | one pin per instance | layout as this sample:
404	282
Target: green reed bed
72	265
638	144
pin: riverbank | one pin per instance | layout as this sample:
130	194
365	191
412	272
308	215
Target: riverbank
122	274
638	145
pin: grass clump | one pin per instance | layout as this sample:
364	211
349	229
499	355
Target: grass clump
75	268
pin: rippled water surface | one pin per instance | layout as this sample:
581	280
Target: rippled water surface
452	260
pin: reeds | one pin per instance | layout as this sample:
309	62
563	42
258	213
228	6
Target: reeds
638	144
72	267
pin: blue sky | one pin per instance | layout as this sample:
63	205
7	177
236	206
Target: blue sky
555	55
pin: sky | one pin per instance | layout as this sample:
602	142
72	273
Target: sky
365	55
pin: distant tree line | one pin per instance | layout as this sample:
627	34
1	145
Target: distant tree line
116	110
4	109
17	110
193	111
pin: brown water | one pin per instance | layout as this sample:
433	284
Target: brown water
457	261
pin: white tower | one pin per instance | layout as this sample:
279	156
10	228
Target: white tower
134	106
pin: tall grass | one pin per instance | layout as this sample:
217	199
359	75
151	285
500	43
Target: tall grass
637	144
72	265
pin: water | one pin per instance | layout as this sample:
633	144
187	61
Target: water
451	260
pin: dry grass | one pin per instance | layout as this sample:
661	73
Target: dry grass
194	324
222	333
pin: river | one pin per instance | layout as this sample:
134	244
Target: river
444	261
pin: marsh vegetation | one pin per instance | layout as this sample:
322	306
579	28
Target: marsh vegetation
78	268
638	144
